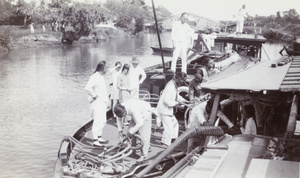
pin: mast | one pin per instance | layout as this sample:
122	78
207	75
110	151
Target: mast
157	31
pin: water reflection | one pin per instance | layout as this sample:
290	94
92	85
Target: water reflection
43	97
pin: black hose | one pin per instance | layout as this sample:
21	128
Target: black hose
190	133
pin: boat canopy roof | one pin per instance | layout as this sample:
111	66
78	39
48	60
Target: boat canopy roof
243	39
261	77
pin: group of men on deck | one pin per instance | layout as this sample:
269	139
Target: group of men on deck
140	111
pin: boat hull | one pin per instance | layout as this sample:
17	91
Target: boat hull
165	50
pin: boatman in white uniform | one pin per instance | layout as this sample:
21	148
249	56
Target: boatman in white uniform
98	97
241	16
137	76
140	112
165	108
182	41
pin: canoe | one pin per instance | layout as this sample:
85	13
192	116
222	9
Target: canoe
165	50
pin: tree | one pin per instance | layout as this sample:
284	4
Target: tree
6	11
291	16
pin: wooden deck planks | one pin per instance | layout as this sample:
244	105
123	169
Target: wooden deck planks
291	81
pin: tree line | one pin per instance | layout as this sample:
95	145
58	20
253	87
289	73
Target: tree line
78	17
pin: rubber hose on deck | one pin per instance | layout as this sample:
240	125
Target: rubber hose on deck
190	133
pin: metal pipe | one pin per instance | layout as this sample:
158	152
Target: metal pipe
291	126
181	164
190	133
157	31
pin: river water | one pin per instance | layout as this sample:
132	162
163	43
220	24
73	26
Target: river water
43	97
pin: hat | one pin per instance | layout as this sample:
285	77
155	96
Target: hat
135	60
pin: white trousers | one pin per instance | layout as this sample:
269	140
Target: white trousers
145	133
99	116
171	128
114	103
180	48
239	26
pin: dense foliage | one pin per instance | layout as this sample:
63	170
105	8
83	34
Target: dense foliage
282	26
75	19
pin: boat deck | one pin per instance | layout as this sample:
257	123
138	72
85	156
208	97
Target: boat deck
110	133
291	81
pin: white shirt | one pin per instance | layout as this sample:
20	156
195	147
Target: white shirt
96	86
169	98
181	32
241	15
139	111
198	115
250	127
134	75
115	90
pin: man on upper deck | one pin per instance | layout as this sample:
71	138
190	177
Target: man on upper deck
182	40
240	19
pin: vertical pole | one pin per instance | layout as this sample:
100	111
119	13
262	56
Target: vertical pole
157	31
292	122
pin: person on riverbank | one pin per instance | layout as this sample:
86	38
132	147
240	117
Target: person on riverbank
137	76
241	16
98	97
165	108
182	40
140	112
249	125
31	28
114	88
44	28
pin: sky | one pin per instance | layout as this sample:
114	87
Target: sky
226	9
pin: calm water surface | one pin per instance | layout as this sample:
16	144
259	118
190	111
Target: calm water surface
43	97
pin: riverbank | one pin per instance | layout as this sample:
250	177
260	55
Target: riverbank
20	37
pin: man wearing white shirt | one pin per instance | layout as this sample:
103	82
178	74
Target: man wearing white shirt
240	20
182	39
137	75
98	97
140	111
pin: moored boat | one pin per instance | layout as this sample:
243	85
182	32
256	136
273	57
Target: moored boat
292	50
77	156
272	152
165	50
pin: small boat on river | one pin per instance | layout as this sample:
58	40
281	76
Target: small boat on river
165	50
292	50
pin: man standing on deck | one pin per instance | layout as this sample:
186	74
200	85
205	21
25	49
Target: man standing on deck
137	75
181	39
165	108
240	20
98	97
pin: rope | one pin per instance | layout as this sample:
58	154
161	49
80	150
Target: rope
82	158
265	52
